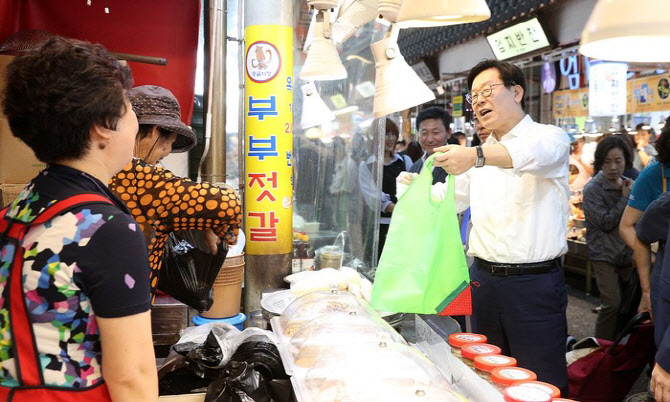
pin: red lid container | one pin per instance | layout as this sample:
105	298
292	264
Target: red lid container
525	394
472	350
507	376
460	339
542	386
489	362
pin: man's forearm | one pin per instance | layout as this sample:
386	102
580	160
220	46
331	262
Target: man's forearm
627	233
642	257
497	155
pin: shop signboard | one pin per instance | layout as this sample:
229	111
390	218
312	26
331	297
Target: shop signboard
607	89
522	38
571	103
423	72
268	117
649	94
458	106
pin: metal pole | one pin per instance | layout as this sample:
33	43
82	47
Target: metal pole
160	61
213	167
268	147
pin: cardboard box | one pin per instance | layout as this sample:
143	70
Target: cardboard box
18	163
8	192
199	397
4	62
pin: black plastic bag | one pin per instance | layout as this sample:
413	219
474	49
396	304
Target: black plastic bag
254	372
239	382
189	270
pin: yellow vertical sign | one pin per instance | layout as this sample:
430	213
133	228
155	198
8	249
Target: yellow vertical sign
268	137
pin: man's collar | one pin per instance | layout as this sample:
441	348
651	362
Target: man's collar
517	130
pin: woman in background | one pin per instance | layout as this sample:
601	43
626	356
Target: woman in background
605	198
160	201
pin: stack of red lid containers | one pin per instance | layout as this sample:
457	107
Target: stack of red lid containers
517	384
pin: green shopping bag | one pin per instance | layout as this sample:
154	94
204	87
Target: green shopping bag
422	268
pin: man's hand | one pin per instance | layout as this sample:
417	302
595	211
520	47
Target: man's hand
660	384
212	240
390	208
645	304
406	178
455	159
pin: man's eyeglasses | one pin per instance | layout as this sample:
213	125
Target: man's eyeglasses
485	91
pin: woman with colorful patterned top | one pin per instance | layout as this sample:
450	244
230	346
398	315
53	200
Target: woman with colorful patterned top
73	262
160	201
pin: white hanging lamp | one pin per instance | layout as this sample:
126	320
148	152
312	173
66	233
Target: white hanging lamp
323	61
314	110
397	86
626	30
322	4
353	14
432	13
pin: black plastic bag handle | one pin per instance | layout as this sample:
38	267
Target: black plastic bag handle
639	318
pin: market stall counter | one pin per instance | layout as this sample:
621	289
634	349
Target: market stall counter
334	345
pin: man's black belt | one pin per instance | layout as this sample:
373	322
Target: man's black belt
504	269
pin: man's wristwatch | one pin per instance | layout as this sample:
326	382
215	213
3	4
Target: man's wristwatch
480	160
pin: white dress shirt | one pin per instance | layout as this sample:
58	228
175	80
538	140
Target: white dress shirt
519	215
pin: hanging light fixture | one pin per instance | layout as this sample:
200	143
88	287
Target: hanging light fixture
353	14
323	61
432	13
625	30
397	86
322	4
314	110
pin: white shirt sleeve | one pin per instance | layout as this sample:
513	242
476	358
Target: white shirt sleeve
408	162
544	154
462	191
369	191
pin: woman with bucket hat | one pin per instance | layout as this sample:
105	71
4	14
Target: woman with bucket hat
160	201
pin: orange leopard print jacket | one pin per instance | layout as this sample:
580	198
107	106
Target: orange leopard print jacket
162	203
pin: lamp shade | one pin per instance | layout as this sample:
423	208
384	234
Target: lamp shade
432	13
353	15
322	4
314	110
323	61
388	9
625	30
397	86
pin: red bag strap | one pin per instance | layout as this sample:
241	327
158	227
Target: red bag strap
25	348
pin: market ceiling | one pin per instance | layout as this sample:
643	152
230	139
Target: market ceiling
418	43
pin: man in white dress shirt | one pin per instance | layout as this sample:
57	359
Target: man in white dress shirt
516	185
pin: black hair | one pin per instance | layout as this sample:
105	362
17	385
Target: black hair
662	145
607	144
56	94
414	151
510	75
145	129
436	113
475	140
392	128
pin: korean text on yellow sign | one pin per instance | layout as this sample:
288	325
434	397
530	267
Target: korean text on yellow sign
268	117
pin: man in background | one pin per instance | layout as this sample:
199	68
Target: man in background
433	127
